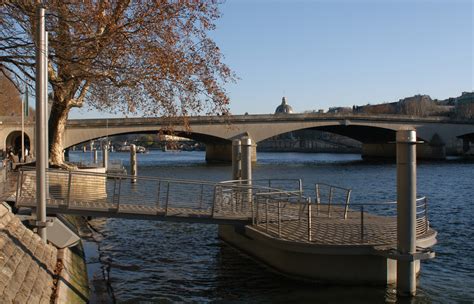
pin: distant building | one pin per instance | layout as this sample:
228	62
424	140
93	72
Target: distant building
284	108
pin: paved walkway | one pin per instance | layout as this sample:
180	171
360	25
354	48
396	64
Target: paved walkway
26	264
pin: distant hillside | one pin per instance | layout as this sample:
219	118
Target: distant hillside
461	107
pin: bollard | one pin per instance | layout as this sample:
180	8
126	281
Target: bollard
105	156
133	163
406	211
247	166
236	159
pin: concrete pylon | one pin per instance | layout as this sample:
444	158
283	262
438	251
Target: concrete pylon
105	156
236	159
406	211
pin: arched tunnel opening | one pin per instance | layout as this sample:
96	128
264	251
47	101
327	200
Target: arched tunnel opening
13	143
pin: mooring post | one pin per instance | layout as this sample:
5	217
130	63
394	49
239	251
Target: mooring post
247	165
105	156
133	163
406	211
40	137
236	159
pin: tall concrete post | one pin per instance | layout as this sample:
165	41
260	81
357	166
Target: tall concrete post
247	158
105	156
133	163
95	156
40	136
406	210
247	166
236	159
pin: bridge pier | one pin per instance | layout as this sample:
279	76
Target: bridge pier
222	152
388	151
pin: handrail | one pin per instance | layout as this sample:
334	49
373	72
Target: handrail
271	208
276	215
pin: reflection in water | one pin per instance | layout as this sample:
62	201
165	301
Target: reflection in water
160	261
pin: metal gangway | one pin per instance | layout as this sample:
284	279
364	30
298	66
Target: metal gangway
151	198
276	207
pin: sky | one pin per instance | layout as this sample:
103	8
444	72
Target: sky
323	53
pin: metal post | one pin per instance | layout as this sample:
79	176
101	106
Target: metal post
406	210
69	183
309	221
46	105
40	137
348	198
105	156
22	159
318	199
279	219
167	198
158	196
362	224
330	200
266	215
133	163
236	159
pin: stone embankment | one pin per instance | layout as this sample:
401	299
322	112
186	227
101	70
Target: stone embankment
32	271
27	265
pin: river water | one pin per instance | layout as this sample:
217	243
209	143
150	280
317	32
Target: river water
174	262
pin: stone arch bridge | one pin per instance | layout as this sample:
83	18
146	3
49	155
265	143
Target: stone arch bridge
375	132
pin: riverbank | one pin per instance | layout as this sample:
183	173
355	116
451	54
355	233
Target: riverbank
34	272
31	271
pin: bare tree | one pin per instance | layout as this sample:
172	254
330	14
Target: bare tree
153	56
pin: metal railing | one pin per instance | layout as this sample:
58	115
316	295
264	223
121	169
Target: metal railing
286	214
333	195
148	195
297	219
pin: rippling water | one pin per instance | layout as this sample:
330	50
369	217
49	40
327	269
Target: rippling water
170	262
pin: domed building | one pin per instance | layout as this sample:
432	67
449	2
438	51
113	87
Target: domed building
284	108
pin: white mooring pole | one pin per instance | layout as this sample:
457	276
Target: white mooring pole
406	211
40	122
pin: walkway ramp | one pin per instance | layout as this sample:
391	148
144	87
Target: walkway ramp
277	208
149	198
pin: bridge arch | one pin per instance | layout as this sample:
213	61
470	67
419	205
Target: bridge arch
204	138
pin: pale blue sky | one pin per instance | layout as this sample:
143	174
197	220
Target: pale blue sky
326	53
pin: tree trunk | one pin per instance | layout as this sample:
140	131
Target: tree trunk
57	127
